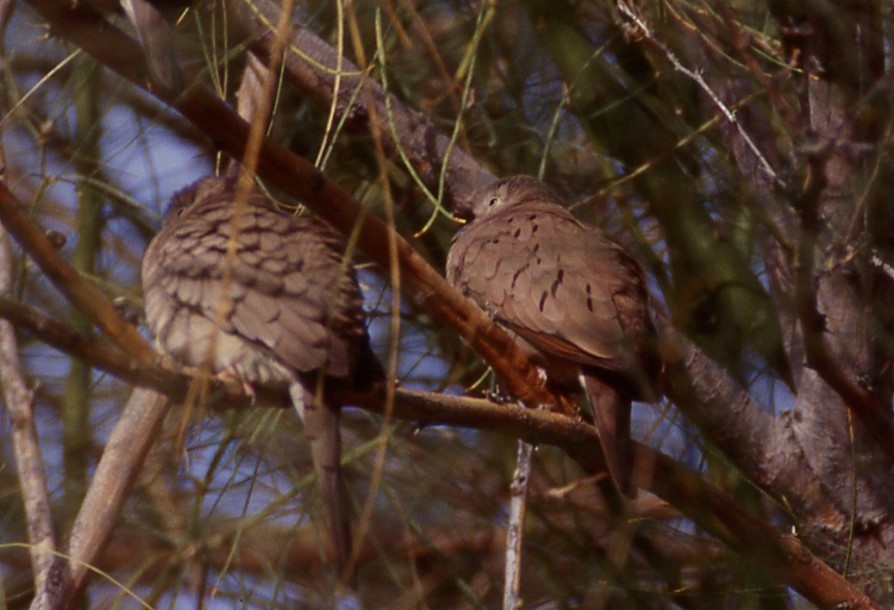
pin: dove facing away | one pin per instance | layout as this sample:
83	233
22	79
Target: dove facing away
285	309
575	301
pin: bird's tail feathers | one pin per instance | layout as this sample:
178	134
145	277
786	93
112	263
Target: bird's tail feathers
611	417
321	427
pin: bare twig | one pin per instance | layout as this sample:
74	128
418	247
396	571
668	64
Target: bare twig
87	297
879	262
782	556
115	474
643	28
518	505
249	97
300	179
29	463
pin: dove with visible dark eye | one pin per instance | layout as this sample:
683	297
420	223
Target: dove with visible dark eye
573	297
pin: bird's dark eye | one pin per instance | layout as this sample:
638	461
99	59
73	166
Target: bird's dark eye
493	202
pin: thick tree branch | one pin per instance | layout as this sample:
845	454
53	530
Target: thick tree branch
300	179
875	417
755	441
782	556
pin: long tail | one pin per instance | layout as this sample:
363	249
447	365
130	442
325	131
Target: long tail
321	427
611	417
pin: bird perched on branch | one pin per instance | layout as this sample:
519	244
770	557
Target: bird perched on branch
267	298
573	298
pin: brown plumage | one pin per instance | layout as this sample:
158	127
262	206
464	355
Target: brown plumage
293	311
576	301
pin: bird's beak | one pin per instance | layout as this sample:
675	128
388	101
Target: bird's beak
462	211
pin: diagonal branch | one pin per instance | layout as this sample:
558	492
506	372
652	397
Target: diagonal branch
727	416
110	486
781	556
83	294
300	179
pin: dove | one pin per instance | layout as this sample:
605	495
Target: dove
575	301
284	308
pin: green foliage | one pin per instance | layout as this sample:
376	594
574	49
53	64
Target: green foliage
613	117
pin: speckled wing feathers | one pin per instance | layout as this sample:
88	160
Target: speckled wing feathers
291	294
574	298
558	291
283	307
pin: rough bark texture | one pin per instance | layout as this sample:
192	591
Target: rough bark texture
740	151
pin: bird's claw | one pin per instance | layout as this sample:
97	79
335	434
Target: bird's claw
497	396
229	376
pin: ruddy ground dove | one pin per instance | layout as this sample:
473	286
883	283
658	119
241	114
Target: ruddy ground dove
575	300
285	308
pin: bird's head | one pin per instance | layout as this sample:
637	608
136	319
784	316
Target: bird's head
203	189
506	193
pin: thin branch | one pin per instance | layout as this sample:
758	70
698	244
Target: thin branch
110	486
300	179
759	542
29	463
782	556
643	28
515	532
83	294
160	374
